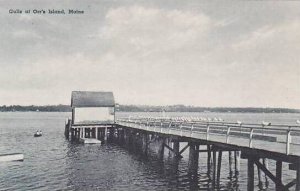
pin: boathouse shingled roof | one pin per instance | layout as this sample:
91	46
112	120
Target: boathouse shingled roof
92	99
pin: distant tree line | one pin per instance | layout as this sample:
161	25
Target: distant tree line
46	108
146	108
184	108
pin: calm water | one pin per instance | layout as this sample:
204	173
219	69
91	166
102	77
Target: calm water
52	163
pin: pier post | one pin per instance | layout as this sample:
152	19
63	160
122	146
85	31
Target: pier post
266	164
176	147
250	186
279	175
298	178
230	159
126	137
209	160
87	132
123	135
259	175
96	132
72	134
214	168
75	133
193	158
70	128
139	138
161	149
105	134
67	129
111	133
237	155
219	167
145	142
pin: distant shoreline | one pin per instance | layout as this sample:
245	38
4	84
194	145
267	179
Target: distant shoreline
145	108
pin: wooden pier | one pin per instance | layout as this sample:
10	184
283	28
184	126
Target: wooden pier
257	143
93	116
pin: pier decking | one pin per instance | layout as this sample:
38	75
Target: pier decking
255	142
93	118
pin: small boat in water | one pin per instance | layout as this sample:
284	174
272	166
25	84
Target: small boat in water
38	133
11	157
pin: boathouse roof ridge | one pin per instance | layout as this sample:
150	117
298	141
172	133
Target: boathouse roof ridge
92	99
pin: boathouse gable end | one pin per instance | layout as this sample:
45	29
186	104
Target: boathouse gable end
92	107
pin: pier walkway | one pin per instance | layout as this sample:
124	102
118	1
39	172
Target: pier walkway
255	142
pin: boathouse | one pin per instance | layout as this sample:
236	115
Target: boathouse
92	114
93	107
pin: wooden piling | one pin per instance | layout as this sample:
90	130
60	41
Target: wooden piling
237	164
78	133
266	164
298	178
230	159
176	147
259	175
105	134
209	160
214	168
193	158
161	149
250	185
75	133
67	129
145	143
279	175
111	133
96	133
72	134
219	167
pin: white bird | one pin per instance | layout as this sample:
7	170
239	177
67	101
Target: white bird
239	122
264	123
298	121
220	119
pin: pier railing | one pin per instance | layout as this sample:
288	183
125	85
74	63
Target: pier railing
220	131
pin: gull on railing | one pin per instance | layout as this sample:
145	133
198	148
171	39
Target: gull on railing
240	124
181	124
264	123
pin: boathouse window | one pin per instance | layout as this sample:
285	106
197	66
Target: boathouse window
92	107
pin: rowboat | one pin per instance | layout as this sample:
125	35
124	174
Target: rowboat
38	134
11	157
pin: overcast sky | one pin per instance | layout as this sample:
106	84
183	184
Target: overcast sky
203	53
